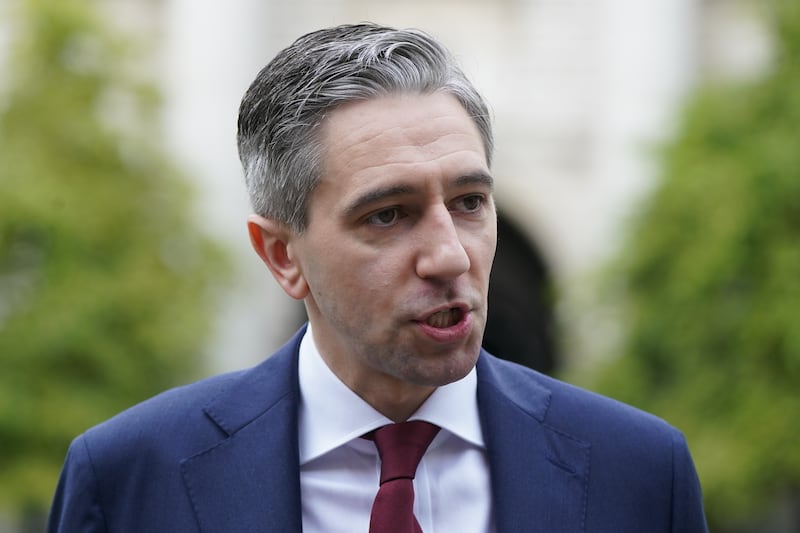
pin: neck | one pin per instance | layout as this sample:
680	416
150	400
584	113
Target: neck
396	403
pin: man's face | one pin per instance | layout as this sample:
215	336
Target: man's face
399	244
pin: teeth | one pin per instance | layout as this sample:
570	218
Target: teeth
444	319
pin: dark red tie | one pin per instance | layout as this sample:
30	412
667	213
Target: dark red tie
400	446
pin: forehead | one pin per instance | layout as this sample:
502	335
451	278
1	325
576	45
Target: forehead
395	119
399	138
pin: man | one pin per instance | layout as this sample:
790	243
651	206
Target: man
366	154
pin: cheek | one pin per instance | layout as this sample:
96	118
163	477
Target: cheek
353	278
357	271
482	251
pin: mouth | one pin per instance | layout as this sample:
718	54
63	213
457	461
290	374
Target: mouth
447	325
445	318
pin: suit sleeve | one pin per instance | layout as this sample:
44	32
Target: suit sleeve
687	499
76	506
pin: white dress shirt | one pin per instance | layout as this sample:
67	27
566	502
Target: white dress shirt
339	471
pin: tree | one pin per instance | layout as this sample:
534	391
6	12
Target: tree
105	282
711	281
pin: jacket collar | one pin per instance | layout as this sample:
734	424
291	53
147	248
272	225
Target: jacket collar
539	474
250	480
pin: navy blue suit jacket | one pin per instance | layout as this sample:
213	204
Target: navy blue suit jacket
221	455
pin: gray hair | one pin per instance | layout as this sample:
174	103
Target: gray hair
280	114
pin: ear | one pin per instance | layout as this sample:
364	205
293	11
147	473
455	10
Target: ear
270	240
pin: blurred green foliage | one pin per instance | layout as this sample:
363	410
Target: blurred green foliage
711	281
105	283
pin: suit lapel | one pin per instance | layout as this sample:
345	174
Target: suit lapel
539	475
250	480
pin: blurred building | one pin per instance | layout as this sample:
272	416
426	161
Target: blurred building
583	92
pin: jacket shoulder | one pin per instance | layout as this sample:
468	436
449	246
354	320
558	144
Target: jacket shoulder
573	410
188	419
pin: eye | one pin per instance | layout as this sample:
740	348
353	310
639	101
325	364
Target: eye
384	217
469	204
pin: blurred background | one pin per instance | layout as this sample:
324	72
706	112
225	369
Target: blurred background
648	186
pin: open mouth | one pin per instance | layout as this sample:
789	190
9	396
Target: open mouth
445	318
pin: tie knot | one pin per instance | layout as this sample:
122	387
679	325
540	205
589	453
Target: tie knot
401	447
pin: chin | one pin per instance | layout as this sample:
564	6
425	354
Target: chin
449	372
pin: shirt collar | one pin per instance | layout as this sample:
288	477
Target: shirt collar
322	428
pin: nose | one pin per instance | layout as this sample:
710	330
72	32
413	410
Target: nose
442	255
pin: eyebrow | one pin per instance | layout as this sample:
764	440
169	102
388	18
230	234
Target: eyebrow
476	178
378	195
